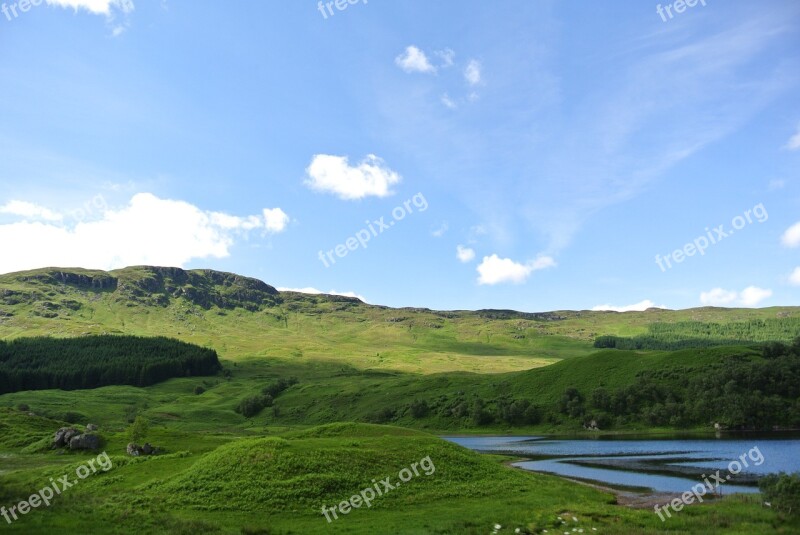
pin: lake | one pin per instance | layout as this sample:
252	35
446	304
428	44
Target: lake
652	464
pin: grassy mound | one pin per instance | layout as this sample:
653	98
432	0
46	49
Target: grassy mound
335	462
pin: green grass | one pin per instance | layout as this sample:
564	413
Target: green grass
279	485
223	473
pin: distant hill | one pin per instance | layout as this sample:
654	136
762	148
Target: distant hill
242	317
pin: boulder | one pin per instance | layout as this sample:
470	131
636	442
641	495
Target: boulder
136	450
91	427
63	436
85	442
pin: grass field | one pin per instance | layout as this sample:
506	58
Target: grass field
224	473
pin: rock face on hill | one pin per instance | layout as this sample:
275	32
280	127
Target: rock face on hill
48	289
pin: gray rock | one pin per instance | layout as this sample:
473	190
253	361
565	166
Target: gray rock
91	427
85	442
63	436
134	450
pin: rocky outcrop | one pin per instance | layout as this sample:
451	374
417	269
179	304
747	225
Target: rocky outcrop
88	441
69	437
136	451
63	436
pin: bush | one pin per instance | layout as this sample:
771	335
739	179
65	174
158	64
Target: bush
782	491
419	409
22	407
138	430
480	415
251	406
199	390
382	416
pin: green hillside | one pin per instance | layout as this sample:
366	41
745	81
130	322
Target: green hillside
361	386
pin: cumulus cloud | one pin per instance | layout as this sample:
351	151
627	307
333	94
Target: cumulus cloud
472	74
749	297
414	60
110	8
718	297
275	220
495	270
148	230
636	307
314	291
465	254
334	174
791	238
794	141
30	211
794	278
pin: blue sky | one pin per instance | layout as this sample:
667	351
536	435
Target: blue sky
526	155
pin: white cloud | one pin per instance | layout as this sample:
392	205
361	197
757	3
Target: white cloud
776	184
314	291
334	174
447	56
97	7
752	296
791	238
636	307
749	297
794	141
275	220
441	231
110	8
473	72
448	102
149	230
496	270
29	211
465	254
718	297
414	60
794	278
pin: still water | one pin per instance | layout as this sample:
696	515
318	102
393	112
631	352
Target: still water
670	465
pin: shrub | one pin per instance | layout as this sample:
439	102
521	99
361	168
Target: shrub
782	491
251	406
199	390
138	430
419	408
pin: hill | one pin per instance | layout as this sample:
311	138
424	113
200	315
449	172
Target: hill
242	318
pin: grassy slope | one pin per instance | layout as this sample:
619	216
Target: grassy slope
278	485
351	360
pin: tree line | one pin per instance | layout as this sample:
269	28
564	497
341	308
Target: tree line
697	334
43	363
